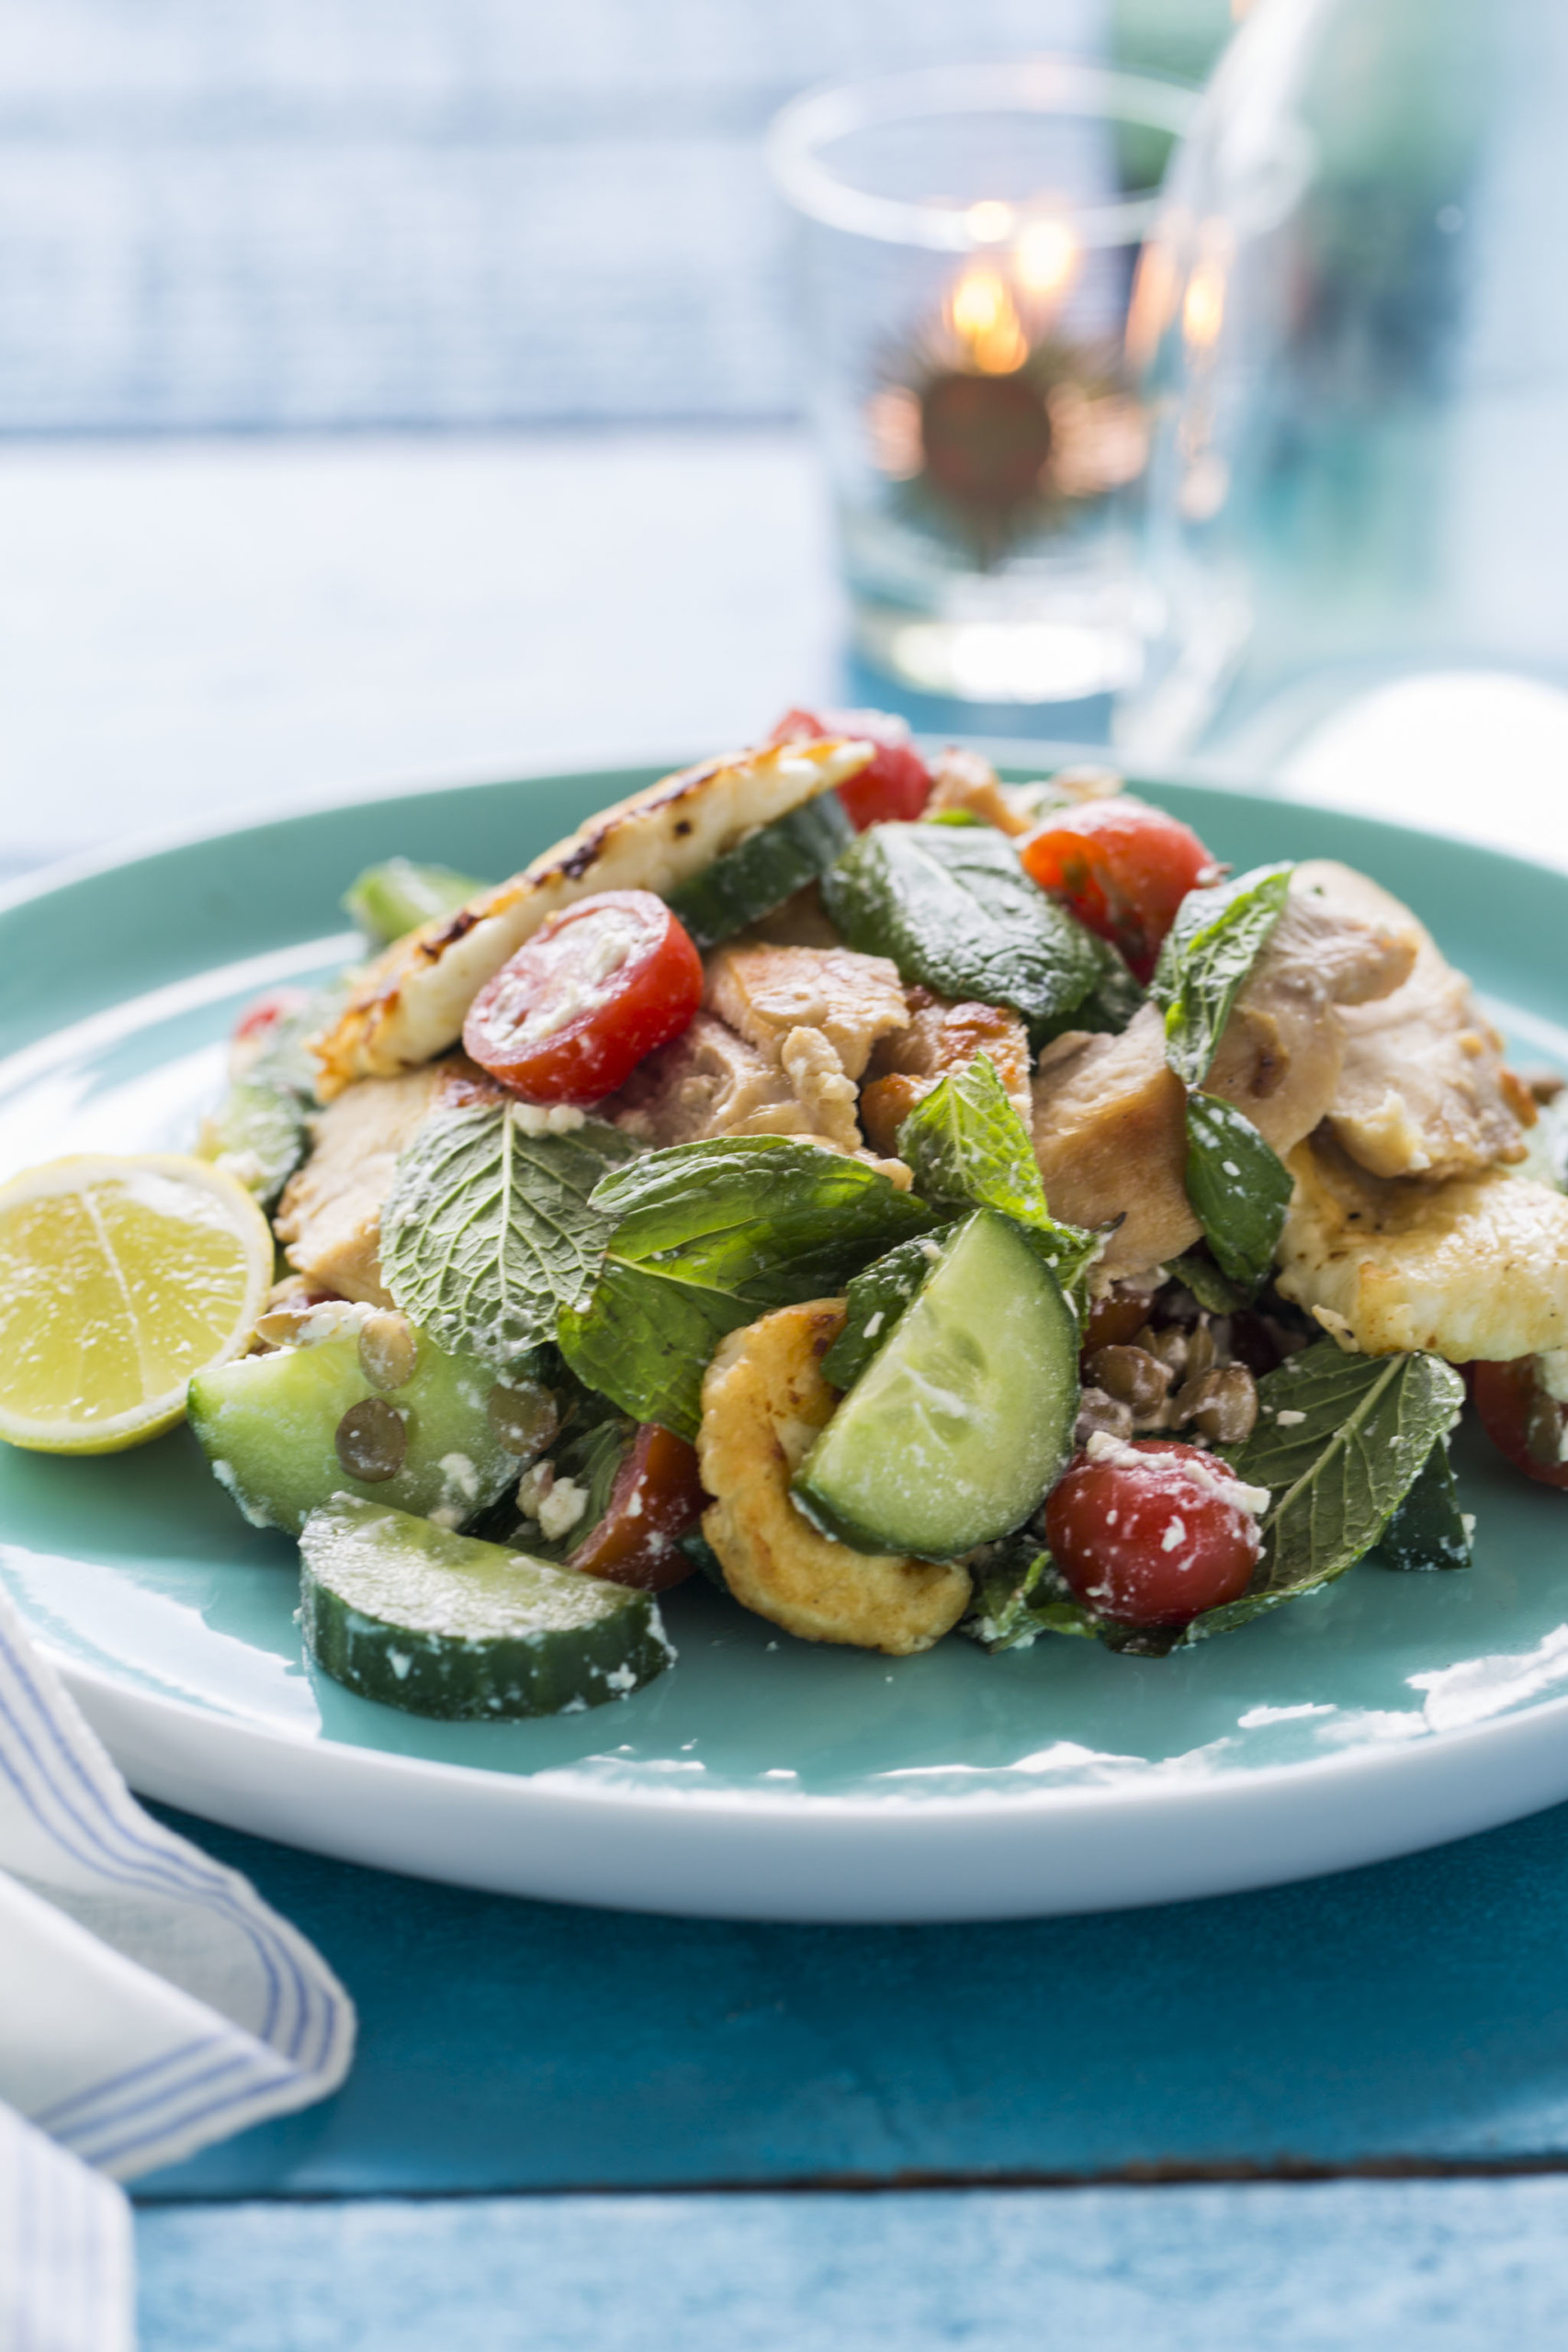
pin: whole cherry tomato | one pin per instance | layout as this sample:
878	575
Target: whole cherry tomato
1523	1421
1122	868
657	1498
1147	1534
897	783
597	987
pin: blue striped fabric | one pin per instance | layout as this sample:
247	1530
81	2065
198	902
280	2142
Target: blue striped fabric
150	2003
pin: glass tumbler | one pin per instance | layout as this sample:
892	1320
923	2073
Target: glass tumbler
968	241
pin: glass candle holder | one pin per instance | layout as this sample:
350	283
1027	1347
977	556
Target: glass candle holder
968	243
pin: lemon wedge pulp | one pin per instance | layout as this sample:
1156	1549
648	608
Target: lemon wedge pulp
119	1278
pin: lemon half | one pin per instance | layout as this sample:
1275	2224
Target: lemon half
119	1278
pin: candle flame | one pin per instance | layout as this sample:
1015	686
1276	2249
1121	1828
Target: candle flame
1048	258
985	318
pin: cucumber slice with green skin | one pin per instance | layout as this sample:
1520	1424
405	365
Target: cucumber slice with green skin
269	1425
964	1419
257	1133
438	1625
760	872
390	899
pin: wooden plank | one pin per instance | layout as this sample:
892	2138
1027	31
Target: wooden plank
1412	2012
1453	2267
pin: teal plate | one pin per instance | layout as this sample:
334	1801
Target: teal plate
762	1777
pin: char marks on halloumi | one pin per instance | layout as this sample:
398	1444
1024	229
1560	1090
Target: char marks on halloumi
412	1001
1476	1267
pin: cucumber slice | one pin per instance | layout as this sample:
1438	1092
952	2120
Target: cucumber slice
257	1133
269	1424
390	899
439	1625
964	1418
760	872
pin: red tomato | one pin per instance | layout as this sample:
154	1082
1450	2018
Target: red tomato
1146	1535
657	1498
1522	1421
1123	870
897	783
568	1019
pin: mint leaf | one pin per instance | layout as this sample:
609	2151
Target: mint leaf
1428	1529
1340	1442
954	909
487	1230
969	1149
874	1302
1211	1289
1238	1185
705	1238
1209	950
1018	1594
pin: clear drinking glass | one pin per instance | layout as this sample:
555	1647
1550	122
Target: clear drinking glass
968	240
1357	370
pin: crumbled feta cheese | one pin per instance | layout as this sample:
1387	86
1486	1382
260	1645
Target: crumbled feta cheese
873	1324
562	1508
1551	1372
1289	1419
399	1662
1210	1476
1175	1535
547	1118
460	1477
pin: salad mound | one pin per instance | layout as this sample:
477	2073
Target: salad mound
919	1204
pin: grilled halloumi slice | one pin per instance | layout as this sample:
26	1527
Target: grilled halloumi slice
412	1001
1473	1268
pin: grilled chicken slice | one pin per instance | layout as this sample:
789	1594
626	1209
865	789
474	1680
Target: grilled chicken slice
707	1082
330	1216
766	993
940	1037
411	1003
1109	1116
1423	1090
1475	1267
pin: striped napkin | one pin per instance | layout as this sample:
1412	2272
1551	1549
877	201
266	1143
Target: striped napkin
150	2003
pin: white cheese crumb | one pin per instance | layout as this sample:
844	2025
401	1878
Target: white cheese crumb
1229	1167
448	1516
1289	1420
460	1477
621	1678
1210	1476
533	1487
633	1501
1467	1521
1551	1372
1175	1535
562	1508
399	1662
547	1119
873	1324
332	1320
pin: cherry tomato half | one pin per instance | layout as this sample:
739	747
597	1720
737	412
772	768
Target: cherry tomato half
1145	1534
1522	1420
657	1498
895	785
1123	870
571	1016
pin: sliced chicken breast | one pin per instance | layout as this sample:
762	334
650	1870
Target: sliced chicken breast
1423	1089
412	1001
1109	1129
940	1037
1475	1267
330	1216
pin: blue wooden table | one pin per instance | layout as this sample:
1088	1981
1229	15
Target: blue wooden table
1329	2115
